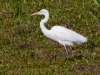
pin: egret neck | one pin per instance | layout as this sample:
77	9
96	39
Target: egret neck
42	26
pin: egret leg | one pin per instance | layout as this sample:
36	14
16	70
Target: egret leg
55	56
67	52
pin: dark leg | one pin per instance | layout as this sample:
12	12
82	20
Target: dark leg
68	50
67	53
55	56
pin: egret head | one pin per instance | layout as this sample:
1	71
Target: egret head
41	12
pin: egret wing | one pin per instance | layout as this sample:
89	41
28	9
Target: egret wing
64	34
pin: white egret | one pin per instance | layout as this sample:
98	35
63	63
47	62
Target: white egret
62	35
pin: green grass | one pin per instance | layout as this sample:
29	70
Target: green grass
24	50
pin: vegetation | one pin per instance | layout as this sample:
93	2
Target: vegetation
24	50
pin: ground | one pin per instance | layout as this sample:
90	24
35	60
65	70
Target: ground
24	50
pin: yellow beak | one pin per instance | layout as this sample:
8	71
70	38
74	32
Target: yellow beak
37	13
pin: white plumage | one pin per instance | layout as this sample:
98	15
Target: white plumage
67	36
62	35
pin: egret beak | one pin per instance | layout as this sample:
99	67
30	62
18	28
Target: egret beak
37	13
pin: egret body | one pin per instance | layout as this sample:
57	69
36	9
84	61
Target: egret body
62	35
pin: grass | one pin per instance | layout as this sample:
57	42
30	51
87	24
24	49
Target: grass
24	50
